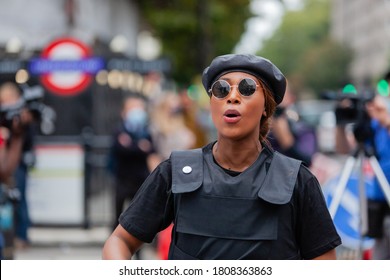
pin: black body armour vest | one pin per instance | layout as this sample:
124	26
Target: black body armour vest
218	216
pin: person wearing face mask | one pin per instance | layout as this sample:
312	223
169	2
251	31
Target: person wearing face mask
131	152
234	198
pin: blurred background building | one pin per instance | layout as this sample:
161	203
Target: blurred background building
364	25
28	27
109	29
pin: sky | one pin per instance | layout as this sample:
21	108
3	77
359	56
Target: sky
267	17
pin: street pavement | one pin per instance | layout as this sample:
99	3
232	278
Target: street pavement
69	244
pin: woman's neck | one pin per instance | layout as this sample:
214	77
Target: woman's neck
236	155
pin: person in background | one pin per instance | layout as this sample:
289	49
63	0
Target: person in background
192	119
234	198
10	95
10	153
289	135
132	152
168	126
377	132
10	149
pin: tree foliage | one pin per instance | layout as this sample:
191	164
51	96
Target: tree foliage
192	32
303	50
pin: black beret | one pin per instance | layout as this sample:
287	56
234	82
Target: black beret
257	66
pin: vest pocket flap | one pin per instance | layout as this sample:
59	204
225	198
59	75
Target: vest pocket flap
178	187
278	196
187	170
280	180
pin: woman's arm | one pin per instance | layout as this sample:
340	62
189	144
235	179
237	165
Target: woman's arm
330	255
121	245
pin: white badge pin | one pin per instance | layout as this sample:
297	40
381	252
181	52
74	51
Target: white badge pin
187	169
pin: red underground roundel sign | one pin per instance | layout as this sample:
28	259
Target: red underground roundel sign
66	66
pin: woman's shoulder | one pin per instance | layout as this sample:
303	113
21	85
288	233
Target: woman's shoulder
206	149
304	174
164	166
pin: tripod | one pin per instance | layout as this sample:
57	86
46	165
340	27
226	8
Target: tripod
357	159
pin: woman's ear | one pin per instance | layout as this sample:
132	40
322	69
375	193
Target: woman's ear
265	114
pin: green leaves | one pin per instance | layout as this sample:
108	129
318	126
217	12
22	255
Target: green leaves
303	50
193	32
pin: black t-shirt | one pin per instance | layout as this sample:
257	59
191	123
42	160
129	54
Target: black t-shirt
305	222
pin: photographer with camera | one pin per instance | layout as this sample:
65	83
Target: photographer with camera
20	123
371	130
10	153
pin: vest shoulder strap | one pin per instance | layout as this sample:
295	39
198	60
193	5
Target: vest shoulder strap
187	170
280	180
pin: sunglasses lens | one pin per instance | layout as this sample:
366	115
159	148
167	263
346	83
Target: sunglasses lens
247	87
220	89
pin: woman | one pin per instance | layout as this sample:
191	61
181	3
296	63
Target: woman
234	198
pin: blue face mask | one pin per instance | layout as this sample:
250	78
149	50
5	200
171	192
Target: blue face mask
136	119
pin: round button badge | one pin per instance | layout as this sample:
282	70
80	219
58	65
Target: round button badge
187	169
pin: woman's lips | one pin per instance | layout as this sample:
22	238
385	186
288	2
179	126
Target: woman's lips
231	116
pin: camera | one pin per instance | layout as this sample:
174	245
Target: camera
8	193
350	108
31	100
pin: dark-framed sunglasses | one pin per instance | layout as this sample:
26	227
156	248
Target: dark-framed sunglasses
221	88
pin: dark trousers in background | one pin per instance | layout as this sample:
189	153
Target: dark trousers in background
22	219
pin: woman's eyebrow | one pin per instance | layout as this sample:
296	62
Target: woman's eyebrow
224	78
228	79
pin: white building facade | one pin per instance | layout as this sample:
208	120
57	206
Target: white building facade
31	25
364	25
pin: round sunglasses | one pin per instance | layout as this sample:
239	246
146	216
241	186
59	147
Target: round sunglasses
221	88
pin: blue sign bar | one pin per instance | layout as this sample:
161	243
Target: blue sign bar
140	66
11	66
90	65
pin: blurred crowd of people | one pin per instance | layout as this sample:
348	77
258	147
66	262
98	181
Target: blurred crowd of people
150	129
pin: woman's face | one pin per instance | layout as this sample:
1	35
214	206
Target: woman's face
237	116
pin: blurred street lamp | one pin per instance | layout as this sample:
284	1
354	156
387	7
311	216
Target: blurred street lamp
148	47
14	45
119	44
22	76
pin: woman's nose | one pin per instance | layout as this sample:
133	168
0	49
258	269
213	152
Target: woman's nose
234	95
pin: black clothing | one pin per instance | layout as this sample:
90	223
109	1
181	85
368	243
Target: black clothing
305	140
225	219
129	165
